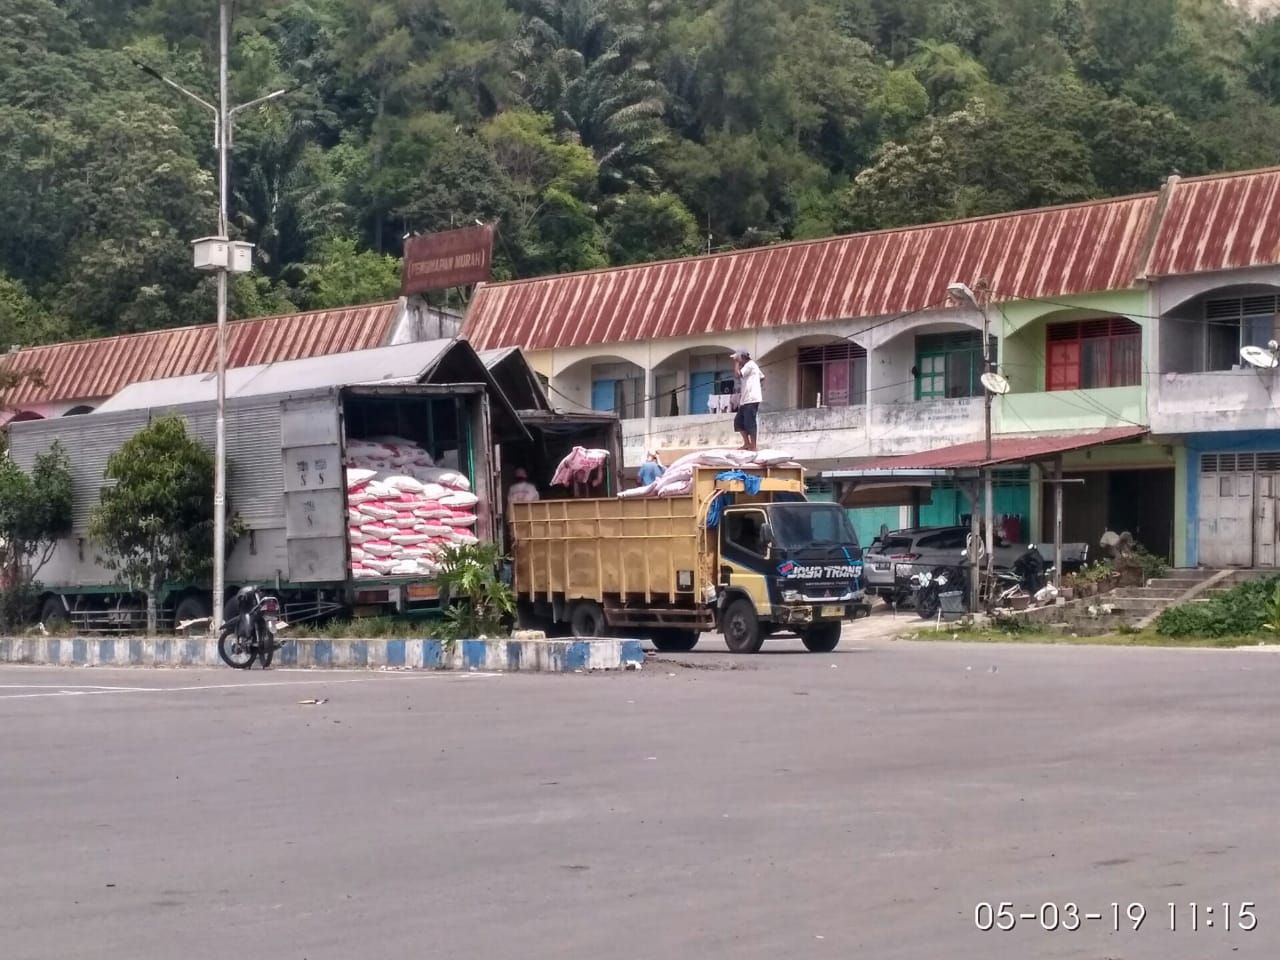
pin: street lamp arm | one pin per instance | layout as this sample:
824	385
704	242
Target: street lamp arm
253	103
156	74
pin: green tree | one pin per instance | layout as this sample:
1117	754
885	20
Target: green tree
154	523
35	511
584	69
950	76
24	321
643	227
343	275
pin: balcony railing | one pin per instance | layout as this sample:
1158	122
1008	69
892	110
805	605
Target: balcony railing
1215	400
823	433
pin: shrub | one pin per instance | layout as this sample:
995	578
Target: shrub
1242	610
1152	567
480	604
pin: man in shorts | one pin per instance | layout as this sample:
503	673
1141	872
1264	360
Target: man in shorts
747	420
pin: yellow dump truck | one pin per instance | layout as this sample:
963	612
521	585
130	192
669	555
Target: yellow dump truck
744	554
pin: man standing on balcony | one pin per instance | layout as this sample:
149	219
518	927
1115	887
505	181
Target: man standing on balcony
752	392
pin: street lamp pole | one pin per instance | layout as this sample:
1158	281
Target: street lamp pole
224	118
220	427
961	291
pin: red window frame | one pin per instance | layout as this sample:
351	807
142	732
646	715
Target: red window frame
1065	353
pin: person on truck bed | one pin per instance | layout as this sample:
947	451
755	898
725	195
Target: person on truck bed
522	491
651	469
746	420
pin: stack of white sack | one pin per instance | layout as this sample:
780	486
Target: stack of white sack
677	479
403	511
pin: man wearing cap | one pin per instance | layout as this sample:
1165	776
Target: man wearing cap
522	491
748	373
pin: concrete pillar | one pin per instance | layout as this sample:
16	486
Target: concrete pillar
1185	508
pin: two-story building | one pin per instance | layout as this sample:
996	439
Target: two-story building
1111	320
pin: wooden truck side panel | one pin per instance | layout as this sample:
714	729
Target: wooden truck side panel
638	550
647	548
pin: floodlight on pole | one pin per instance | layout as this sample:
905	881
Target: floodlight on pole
221	255
961	291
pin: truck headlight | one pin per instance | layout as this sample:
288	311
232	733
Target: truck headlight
791	596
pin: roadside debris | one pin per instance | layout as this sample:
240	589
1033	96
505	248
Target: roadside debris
313	702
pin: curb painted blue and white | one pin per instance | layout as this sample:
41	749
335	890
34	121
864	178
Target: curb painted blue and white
543	656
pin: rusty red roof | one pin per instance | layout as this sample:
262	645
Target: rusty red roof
1005	448
1225	222
95	369
1051	252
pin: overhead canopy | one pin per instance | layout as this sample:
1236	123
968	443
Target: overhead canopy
1009	448
429	361
891	492
511	370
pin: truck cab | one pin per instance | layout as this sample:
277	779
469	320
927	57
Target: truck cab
790	565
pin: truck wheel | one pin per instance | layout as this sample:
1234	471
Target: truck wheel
741	627
53	613
821	637
674	640
191	607
586	620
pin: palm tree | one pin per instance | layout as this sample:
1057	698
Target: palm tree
591	78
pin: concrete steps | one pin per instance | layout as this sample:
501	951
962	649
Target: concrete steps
1135	607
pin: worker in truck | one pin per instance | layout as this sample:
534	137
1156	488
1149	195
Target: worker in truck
749	397
522	491
651	469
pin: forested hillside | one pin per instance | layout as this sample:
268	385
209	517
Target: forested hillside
593	132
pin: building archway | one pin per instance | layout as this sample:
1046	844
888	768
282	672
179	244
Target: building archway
930	360
79	411
23	415
815	370
1071	349
1204	333
604	383
685	381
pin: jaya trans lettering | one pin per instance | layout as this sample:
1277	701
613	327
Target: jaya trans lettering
795	571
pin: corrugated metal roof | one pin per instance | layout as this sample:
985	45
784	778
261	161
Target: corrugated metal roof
1226	222
404	363
89	369
1051	252
1006	448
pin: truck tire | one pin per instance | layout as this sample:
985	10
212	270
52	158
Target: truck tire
674	639
821	637
192	607
53	612
741	627
586	620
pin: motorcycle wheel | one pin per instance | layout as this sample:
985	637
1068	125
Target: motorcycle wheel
266	647
928	603
235	652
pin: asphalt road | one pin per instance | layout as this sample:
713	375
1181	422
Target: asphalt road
856	804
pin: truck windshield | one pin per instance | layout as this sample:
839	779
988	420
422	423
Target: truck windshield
800	525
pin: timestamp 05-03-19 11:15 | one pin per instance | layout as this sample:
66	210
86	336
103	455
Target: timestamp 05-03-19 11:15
1174	917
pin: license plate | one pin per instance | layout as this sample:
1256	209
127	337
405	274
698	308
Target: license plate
423	591
832	612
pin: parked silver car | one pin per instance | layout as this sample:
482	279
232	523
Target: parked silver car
891	559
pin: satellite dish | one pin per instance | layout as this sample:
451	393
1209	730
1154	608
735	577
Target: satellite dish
1260	358
995	383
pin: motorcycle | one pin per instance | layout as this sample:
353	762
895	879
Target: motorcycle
251	620
1028	577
